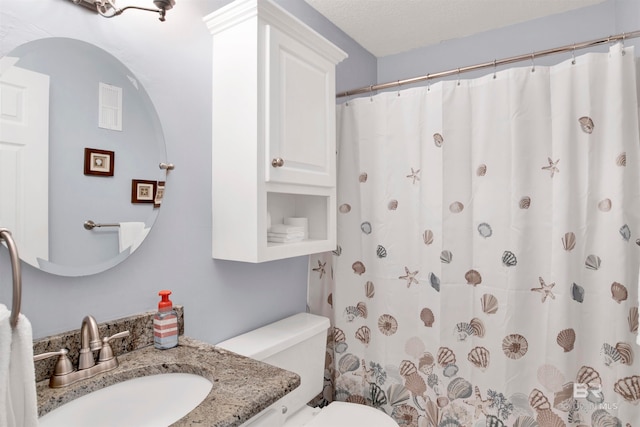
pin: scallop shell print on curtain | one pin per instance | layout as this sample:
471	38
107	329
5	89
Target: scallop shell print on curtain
508	290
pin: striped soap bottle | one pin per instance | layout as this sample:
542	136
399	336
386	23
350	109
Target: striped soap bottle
165	323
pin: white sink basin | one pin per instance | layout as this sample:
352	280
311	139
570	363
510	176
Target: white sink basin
155	400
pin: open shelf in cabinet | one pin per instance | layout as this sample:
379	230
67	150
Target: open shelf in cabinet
317	208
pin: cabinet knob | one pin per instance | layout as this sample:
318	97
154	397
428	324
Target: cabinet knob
278	162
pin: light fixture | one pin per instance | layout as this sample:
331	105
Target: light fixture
108	8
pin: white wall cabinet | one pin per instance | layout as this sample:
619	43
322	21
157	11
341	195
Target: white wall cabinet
273	152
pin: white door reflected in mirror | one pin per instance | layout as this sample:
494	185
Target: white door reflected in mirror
24	158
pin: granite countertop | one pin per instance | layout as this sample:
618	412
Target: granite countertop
242	387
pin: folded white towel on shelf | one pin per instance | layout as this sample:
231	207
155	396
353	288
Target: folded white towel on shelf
282	233
284	238
18	400
293	235
285	229
299	222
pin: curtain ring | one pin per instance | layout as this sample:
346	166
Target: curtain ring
399	87
428	83
458	76
371	93
494	68
623	37
573	55
533	64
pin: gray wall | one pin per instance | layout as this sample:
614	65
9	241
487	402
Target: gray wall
594	22
172	60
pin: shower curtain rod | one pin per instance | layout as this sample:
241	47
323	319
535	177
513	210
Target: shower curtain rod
494	63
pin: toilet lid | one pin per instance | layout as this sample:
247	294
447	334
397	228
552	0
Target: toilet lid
342	414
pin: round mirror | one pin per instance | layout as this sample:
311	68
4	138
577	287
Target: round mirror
80	148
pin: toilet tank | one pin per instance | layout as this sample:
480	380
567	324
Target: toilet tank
297	344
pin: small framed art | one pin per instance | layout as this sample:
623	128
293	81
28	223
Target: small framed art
159	194
98	162
143	191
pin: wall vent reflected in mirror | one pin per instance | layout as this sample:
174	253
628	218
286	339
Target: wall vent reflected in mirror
110	106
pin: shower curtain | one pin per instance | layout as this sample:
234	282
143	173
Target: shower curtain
488	249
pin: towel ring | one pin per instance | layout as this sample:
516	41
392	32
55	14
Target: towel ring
5	235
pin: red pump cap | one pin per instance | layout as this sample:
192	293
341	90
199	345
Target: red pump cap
166	303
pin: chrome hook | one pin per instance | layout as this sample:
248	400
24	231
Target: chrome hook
494	69
533	63
458	76
371	93
398	87
623	37
428	83
573	55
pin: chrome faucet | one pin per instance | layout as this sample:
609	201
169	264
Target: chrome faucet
64	374
89	342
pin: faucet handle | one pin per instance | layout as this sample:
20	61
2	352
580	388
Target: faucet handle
106	352
63	364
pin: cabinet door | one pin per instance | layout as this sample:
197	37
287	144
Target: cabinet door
300	113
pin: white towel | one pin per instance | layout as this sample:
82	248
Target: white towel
141	237
131	234
286	235
299	222
285	238
285	229
5	352
18	400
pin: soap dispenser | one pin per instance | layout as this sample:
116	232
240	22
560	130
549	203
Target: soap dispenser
165	323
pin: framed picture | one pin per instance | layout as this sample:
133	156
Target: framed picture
143	191
98	162
157	201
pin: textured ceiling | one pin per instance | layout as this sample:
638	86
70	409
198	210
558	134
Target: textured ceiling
386	27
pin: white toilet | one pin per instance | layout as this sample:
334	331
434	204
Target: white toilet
298	344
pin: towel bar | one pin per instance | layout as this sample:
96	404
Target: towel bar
90	225
5	235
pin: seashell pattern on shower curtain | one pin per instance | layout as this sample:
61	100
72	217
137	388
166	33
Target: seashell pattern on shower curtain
506	282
